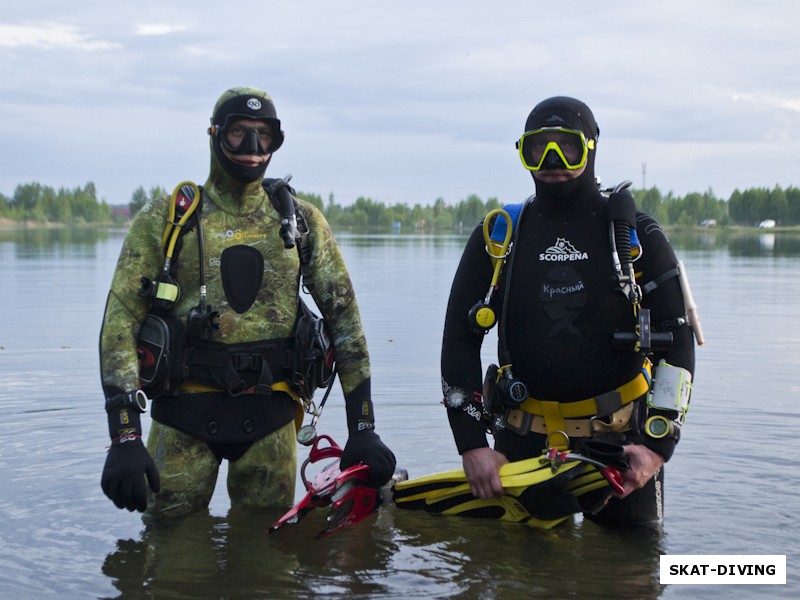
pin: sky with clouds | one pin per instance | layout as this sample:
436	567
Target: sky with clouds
404	101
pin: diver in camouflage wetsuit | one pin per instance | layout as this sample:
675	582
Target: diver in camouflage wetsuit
194	430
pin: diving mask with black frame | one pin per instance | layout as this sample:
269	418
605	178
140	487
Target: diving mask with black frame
554	148
238	139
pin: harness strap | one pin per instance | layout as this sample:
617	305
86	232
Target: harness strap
554	420
234	367
651	285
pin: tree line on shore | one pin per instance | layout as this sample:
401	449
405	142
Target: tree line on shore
40	204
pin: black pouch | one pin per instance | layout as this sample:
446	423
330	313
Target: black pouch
160	346
313	356
491	403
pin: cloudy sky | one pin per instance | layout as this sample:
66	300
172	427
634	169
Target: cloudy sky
401	101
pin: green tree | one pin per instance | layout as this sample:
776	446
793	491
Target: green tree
63	211
26	198
778	205
652	203
138	200
35	202
373	210
470	212
333	212
314	199
140	197
793	206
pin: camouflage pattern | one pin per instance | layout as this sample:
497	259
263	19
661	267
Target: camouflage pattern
239	91
233	213
244	217
263	478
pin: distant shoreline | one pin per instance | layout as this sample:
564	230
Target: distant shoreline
10	224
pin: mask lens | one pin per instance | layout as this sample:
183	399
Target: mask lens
569	145
239	139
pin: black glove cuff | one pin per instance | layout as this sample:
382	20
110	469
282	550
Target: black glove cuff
124	425
358	406
136	400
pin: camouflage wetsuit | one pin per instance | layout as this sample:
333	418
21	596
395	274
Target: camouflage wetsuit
193	432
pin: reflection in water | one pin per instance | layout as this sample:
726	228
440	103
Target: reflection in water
206	556
487	559
38	243
767	241
362	240
737	242
189	557
394	554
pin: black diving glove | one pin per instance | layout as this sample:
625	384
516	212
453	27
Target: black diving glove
127	462
609	453
366	447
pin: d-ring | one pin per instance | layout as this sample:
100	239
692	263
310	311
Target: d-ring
552	433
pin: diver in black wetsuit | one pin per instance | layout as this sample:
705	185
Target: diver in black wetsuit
562	313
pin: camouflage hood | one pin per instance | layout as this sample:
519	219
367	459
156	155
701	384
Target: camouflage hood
236	189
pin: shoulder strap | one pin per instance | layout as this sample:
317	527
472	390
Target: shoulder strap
501	225
294	227
502	349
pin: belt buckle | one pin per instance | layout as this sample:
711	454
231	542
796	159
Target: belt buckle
246	361
598	425
525	420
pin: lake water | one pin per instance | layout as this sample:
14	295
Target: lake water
732	487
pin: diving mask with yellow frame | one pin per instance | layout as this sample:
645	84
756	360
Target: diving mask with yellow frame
554	148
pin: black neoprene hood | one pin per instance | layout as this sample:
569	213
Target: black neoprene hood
562	111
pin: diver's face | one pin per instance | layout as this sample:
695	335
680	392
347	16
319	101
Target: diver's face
247	133
558	175
555	154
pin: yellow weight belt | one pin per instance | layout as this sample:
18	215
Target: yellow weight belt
580	419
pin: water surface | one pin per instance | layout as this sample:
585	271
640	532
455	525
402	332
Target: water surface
731	487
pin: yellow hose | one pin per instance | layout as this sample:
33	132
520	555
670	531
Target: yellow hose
497	251
173	229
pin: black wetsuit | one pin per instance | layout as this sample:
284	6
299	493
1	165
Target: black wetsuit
563	308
